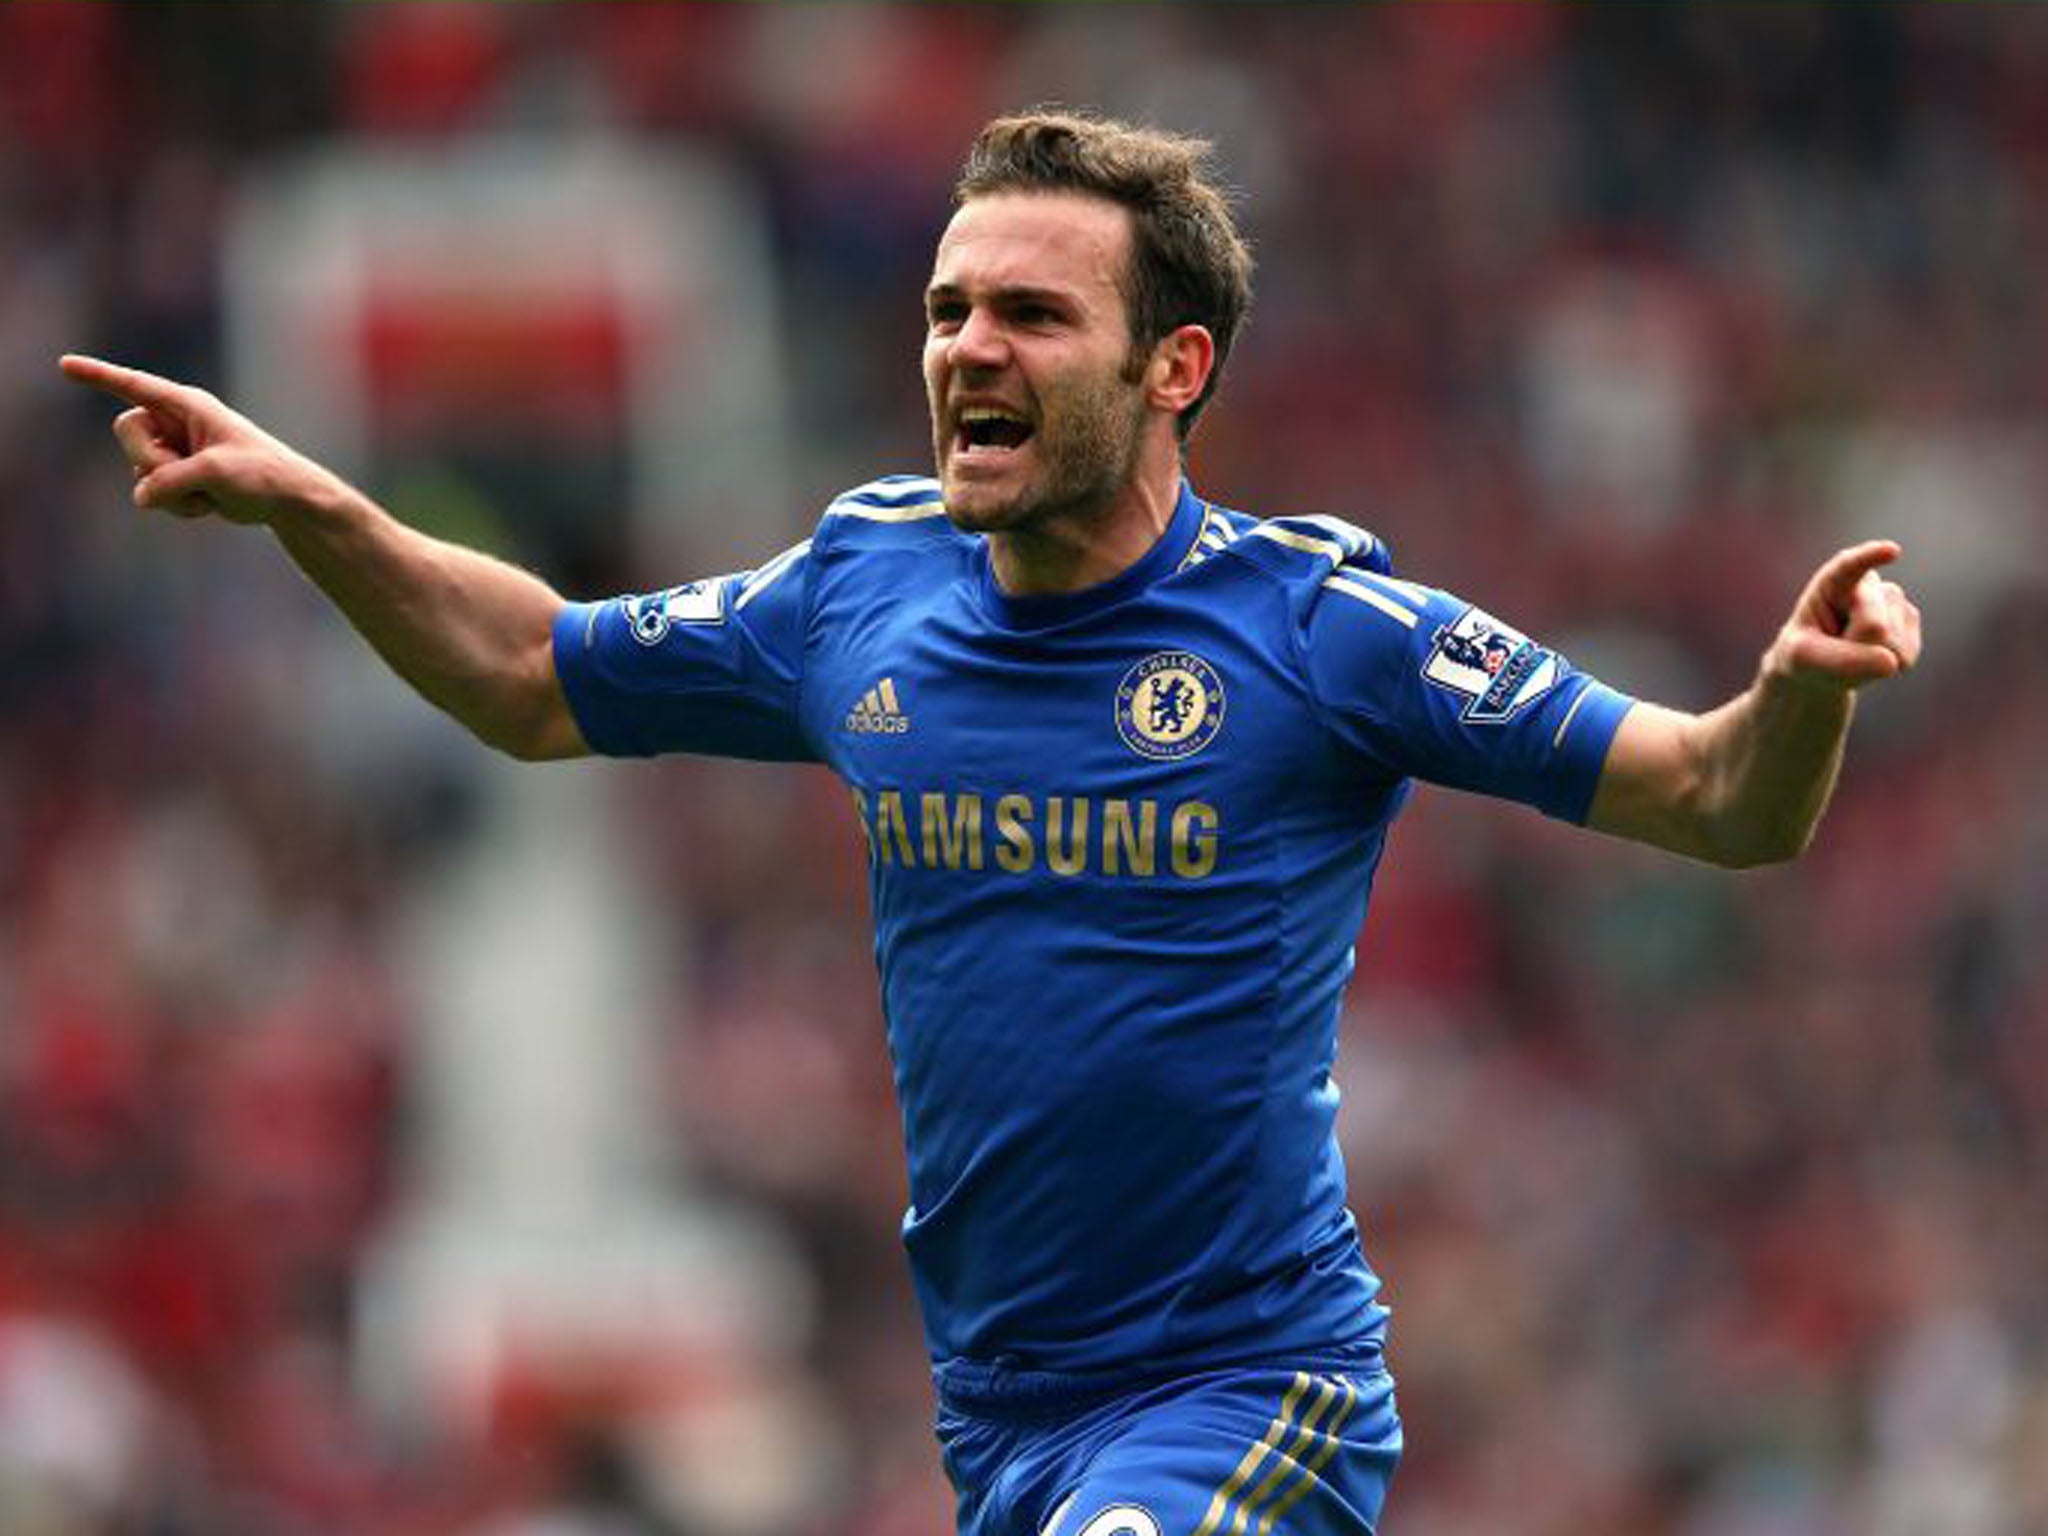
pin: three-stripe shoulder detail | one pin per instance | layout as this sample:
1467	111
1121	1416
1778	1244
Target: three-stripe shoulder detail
755	583
891	499
1328	538
1347	555
1401	601
1216	533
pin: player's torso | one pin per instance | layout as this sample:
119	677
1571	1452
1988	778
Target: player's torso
1093	846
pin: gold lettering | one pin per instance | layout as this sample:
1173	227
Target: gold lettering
948	841
1018	852
867	832
891	831
1194	839
951	834
1073	858
1123	842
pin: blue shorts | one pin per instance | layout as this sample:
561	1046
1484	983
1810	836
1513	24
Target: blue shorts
1240	1452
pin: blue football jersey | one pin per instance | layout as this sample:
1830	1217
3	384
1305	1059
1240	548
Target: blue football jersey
1120	842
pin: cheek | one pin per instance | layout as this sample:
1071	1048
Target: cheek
1095	399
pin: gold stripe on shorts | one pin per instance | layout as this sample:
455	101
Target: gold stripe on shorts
1219	1503
1286	1461
1315	1463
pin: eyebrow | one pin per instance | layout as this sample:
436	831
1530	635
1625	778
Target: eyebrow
1007	293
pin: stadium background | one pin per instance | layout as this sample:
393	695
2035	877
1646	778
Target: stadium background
1711	1206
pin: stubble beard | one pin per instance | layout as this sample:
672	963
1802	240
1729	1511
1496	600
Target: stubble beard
1087	446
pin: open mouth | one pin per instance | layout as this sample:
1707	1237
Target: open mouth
989	429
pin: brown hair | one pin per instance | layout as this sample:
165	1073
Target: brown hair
1189	265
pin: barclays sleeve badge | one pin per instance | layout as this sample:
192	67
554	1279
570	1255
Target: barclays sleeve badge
698	602
1498	670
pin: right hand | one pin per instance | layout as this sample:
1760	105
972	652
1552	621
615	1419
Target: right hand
192	455
1850	625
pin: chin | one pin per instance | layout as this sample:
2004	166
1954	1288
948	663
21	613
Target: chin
971	518
979	508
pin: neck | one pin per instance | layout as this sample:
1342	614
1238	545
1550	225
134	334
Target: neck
1072	550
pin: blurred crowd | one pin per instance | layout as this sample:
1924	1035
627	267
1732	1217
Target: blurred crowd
1710	1205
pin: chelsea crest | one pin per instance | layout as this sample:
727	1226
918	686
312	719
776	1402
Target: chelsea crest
1169	706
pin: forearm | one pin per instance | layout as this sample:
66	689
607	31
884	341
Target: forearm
470	633
1768	760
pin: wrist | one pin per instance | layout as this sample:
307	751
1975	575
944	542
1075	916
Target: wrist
316	500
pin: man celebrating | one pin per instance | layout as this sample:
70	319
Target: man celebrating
1125	762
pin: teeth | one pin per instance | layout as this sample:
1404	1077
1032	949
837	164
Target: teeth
975	414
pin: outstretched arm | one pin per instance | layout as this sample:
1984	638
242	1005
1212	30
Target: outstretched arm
471	633
1746	783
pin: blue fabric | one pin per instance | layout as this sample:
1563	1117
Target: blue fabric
1217	1454
1120	842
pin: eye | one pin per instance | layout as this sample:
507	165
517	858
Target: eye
945	314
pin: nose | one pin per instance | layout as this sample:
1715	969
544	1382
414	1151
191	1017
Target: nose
980	342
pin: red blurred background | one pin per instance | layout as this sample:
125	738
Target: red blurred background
1709	1205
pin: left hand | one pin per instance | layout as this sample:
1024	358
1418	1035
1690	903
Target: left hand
1850	626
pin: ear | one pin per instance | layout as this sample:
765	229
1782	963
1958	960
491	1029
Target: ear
1179	367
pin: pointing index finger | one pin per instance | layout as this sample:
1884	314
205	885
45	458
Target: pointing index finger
130	384
1838	579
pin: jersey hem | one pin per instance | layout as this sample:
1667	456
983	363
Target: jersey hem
1002	1390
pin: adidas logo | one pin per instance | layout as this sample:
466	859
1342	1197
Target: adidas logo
878	713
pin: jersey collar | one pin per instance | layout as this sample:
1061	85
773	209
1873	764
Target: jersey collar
1048	609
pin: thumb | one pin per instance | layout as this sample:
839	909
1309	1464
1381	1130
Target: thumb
1848	662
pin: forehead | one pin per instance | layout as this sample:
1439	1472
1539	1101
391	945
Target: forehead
1066	240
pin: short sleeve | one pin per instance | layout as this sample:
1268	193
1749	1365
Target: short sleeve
714	666
1427	685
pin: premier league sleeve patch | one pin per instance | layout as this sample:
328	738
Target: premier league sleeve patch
698	602
1497	670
